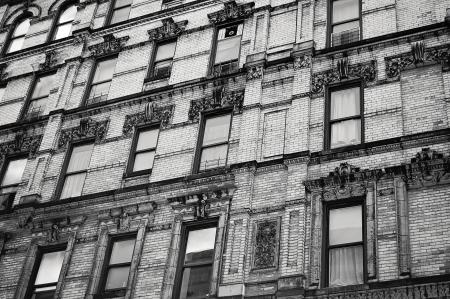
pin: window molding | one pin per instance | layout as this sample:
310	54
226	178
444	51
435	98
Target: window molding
9	196
88	129
56	16
150	72
25	15
330	25
88	88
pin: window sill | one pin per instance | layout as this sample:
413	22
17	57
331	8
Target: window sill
341	289
341	149
208	172
156	79
128	175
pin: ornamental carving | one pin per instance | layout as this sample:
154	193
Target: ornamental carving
55	229
255	72
162	114
231	11
109	45
220	99
87	129
367	72
50	60
302	62
169	29
266	245
126	218
21	144
418	55
3	73
427	168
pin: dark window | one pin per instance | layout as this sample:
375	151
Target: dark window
39	96
121	11
345	21
76	171
162	65
18	36
101	81
46	274
144	149
228	46
214	143
117	267
344	117
345	252
196	262
12	175
64	24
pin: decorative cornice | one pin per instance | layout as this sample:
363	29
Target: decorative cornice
169	29
110	45
231	11
367	72
52	229
124	218
21	144
87	129
162	114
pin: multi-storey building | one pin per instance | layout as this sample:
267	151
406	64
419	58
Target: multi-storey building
205	149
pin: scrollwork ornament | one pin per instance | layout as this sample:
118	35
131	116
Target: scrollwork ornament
88	128
255	72
302	62
221	99
163	114
231	11
110	45
265	245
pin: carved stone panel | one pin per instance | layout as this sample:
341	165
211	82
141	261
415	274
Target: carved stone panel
162	114
302	62
110	45
88	128
265	247
169	29
21	144
231	11
220	99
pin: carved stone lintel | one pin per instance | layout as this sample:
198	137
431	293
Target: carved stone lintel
169	29
109	45
162	114
220	99
302	62
265	251
21	144
231	11
126	218
255	72
88	128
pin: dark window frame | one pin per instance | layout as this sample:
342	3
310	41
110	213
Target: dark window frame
37	262
133	152
328	123
111	10
92	75
357	201
8	39
330	25
4	167
55	24
150	72
199	149
106	266
185	229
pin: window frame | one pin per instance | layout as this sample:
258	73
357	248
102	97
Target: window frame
7	44
150	72
199	149
29	100
133	152
62	8
92	75
328	122
186	227
4	167
330	25
328	206
111	10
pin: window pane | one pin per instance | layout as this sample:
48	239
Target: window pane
200	245
37	107
165	51
345	103
22	28
346	266
2	92
122	251
80	158
68	15
228	49
345	133
213	157
16	44
117	278
162	69
345	10
43	86
50	267
345	225
14	172
147	139
120	3
216	129
44	295
143	161
104	70
63	31
73	185
100	90
351	28
120	14
195	282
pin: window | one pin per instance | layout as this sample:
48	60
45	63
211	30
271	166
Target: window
64	24
12	176
227	49
117	268
214	144
143	153
39	96
162	65
345	252
344	117
76	170
196	262
101	81
121	11
2	92
18	36
345	21
46	274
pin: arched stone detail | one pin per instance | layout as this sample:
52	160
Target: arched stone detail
32	10
56	6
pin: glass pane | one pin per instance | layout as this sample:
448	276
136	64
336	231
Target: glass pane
213	157
80	158
200	245
346	266
44	295
162	69
143	161
68	14
352	29
37	107
49	267
63	31
228	49
117	278
100	90
22	28
122	251
14	172
120	3
217	129
104	70
147	139
345	133
345	103
43	86
2	92
345	225
345	10
165	51
120	14
195	282
16	44
73	185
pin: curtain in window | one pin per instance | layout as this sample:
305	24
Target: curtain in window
346	266
346	133
345	103
73	185
228	49
81	155
345	10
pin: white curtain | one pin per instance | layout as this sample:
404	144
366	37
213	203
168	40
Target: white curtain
345	103
73	185
346	133
346	266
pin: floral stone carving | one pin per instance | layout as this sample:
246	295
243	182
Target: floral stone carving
302	62
169	29
266	240
231	11
21	144
220	99
109	45
163	114
88	128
